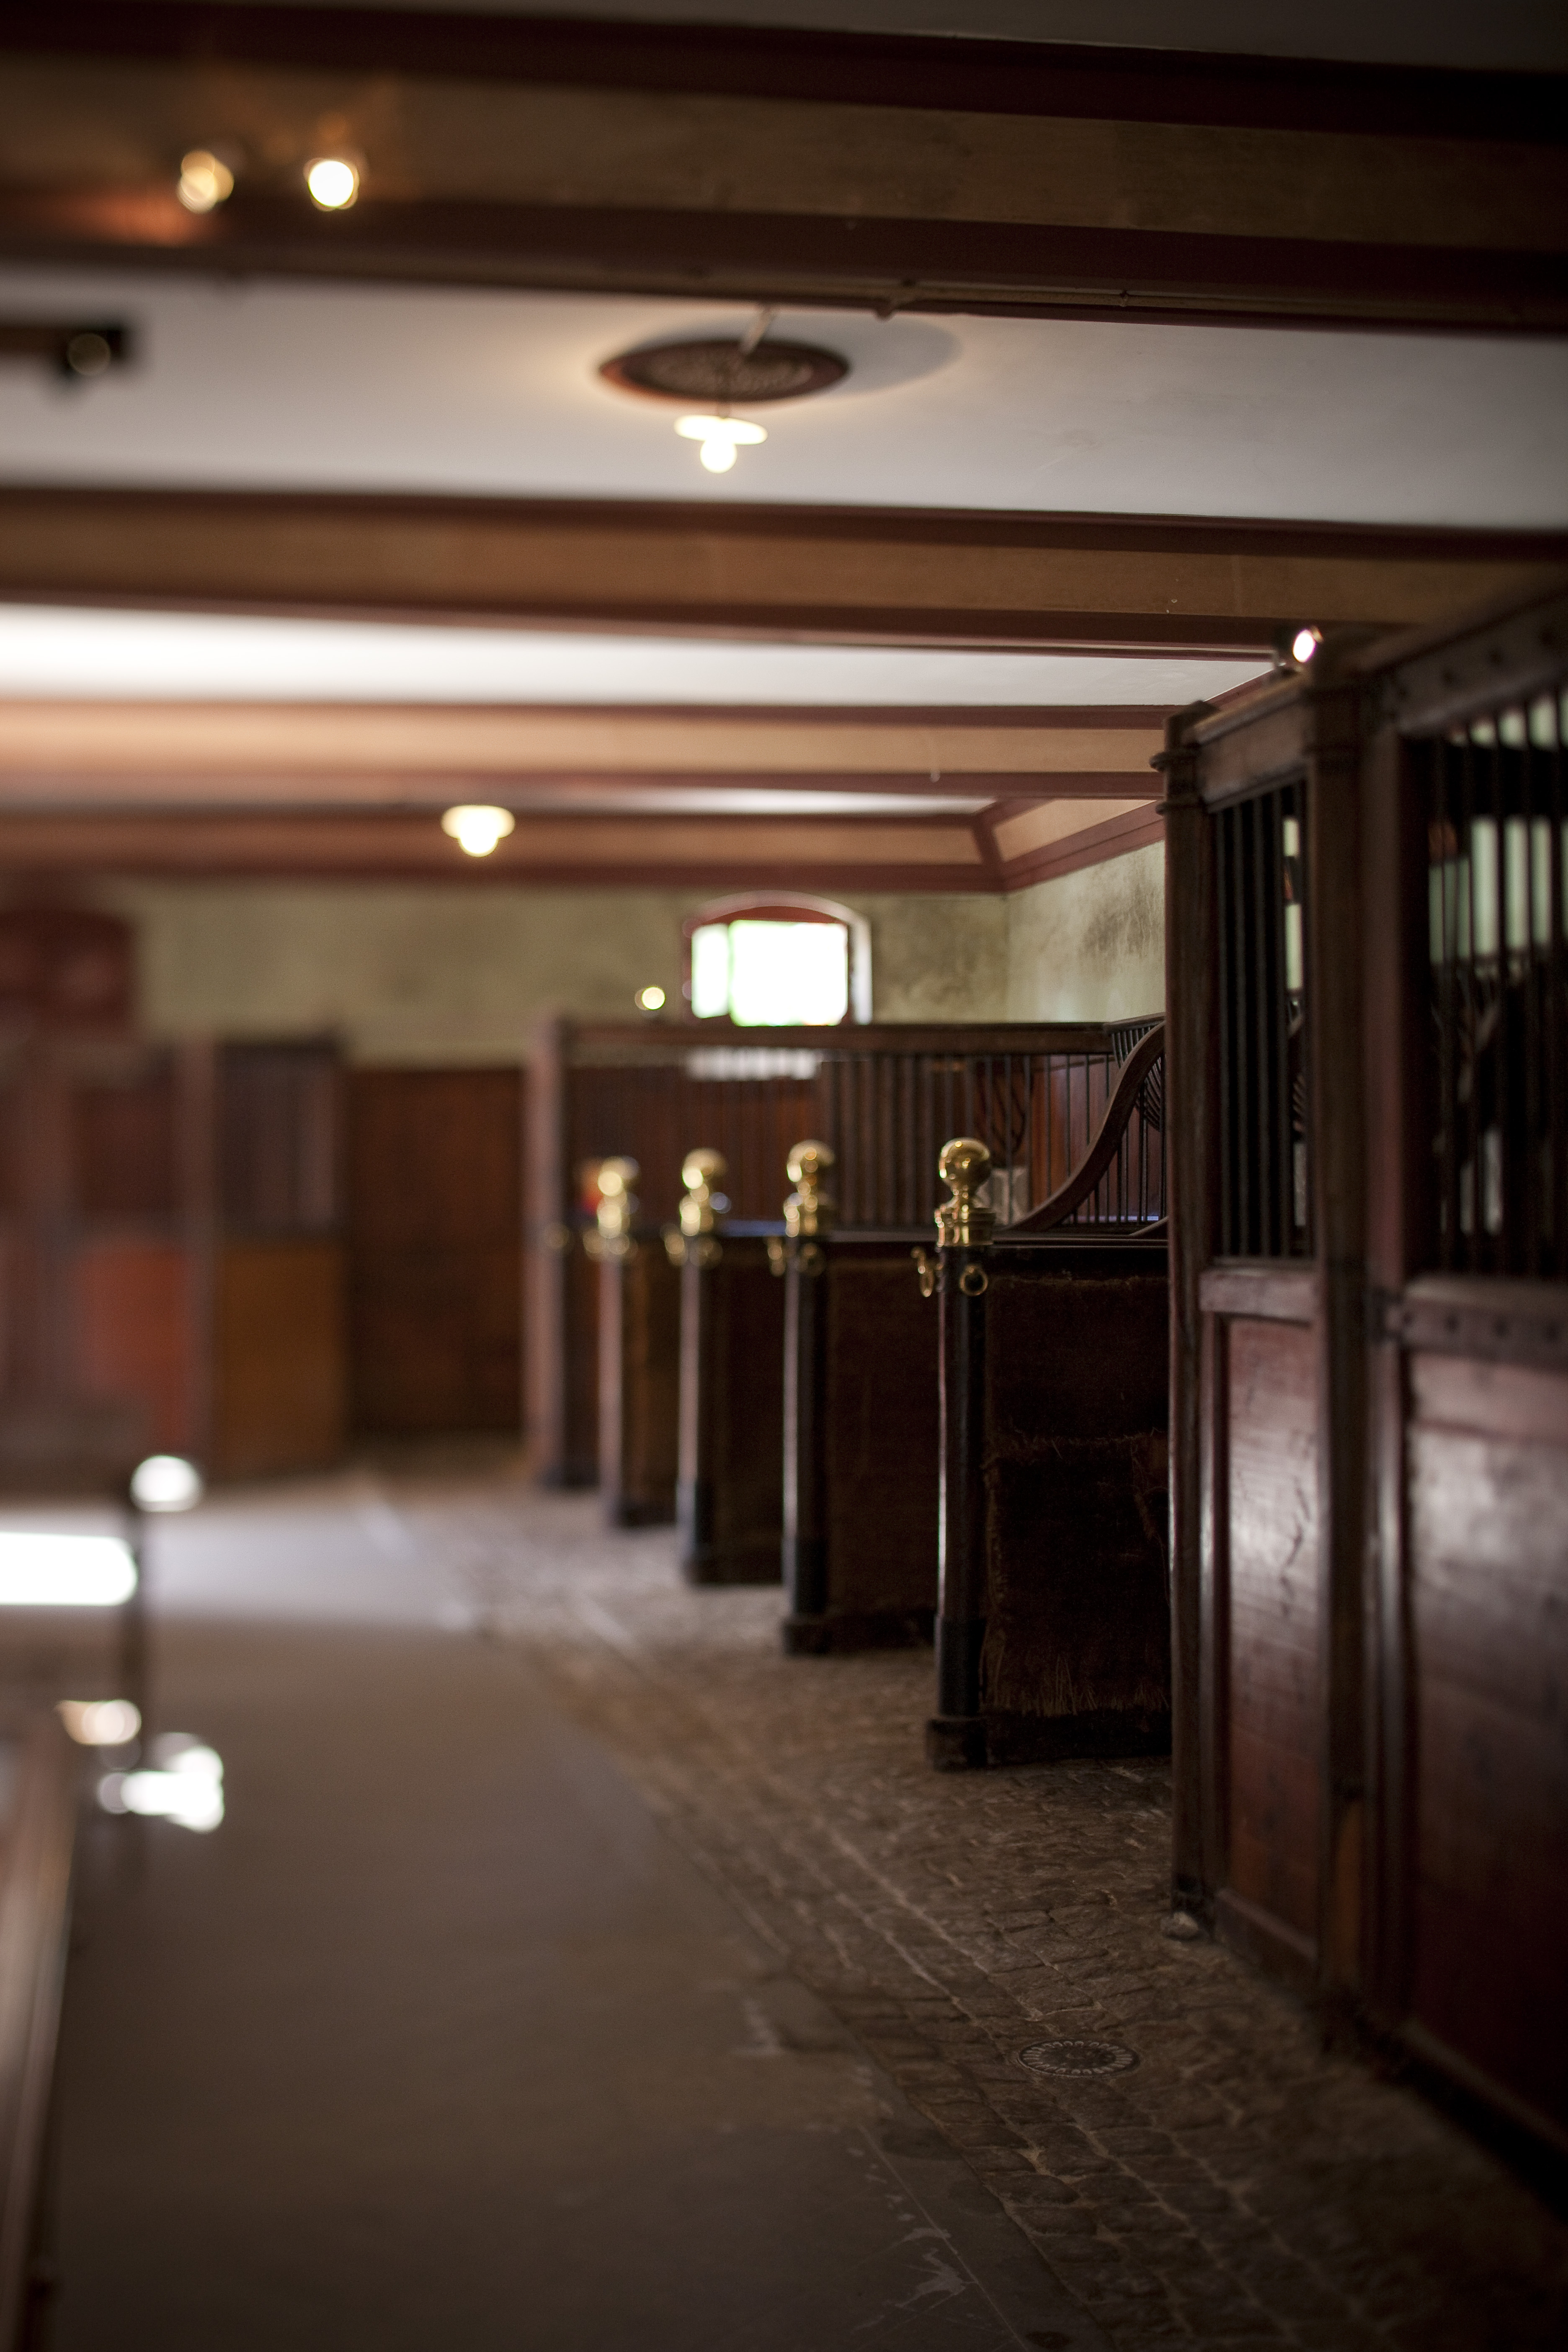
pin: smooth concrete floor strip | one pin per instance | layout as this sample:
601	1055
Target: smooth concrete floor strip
438	2041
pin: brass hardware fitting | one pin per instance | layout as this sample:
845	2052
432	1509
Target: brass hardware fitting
617	1207
809	1210
974	1281
962	1223
701	1171
929	1271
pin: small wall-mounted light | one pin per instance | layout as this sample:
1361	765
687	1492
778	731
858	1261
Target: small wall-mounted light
1304	644
720	437
166	1482
205	181
333	184
649	1000
100	1722
476	829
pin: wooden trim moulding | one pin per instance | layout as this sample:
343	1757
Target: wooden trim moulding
1093	844
909	576
982	76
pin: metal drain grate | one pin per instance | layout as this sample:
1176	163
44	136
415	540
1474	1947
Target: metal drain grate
1077	2058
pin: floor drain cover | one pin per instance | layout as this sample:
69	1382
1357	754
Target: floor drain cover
1077	2058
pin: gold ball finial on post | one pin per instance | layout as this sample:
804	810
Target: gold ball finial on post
616	1205
701	1170
961	1222
809	1210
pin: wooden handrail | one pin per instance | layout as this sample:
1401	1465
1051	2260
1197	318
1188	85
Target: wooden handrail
1085	1176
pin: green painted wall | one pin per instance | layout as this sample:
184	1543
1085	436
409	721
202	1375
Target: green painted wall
427	972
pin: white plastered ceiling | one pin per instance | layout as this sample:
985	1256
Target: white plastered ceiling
273	385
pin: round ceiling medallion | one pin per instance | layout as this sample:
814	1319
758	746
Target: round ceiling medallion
1074	2059
723	371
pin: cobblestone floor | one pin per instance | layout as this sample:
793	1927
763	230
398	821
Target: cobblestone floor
1238	2186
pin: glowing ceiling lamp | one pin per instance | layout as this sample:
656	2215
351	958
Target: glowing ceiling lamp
1304	644
721	437
476	829
720	371
333	184
205	181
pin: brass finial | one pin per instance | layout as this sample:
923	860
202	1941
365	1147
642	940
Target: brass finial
809	1210
964	1167
617	1204
701	1170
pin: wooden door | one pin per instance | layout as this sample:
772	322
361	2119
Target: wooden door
1468	1061
1265	1551
435	1261
279	1353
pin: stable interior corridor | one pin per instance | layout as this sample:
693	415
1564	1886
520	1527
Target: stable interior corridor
571	1971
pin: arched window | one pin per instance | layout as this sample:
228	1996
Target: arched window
770	960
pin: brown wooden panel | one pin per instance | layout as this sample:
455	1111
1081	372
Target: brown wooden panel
65	968
732	1333
279	1375
883	1437
1274	1711
434	1240
125	1145
1488	1567
278	1142
639	1373
1078	1506
134	1334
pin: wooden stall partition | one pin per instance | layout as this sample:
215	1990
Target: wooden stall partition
1053	1626
1466	1025
278	1393
647	1092
639	1356
101	1356
1369	1356
40	1798
863	1448
859	1430
730	1490
434	1229
1263	931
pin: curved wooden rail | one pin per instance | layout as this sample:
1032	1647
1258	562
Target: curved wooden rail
1087	1175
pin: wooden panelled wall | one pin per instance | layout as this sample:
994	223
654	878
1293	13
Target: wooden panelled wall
227	1249
1369	1043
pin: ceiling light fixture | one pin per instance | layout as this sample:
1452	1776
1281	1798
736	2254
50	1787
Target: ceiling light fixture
748	371
205	181
721	437
476	829
333	184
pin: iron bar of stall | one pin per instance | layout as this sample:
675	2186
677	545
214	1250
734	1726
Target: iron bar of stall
1226	957
1557	984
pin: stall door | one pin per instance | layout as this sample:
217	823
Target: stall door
435	1262
1264	1698
1478	1768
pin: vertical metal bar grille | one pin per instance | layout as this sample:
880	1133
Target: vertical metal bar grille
1265	1193
1497	872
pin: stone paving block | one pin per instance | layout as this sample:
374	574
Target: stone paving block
1320	2208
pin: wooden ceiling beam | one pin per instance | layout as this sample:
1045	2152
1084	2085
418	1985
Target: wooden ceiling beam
847	575
897	176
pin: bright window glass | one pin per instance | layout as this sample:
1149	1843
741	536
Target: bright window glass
710	970
785	974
